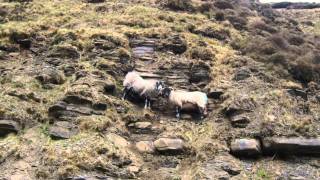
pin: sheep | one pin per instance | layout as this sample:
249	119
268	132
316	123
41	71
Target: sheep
146	88
180	97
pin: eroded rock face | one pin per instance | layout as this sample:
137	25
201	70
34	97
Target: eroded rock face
212	33
223	166
74	106
62	130
294	145
200	72
175	44
246	147
64	51
240	105
169	145
8	126
50	76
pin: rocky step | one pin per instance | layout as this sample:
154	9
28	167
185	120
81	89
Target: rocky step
162	145
292	145
245	147
143	128
275	145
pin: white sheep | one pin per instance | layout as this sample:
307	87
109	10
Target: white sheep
146	88
180	97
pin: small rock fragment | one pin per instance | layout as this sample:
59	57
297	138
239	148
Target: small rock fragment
169	145
242	74
246	147
61	130
143	125
145	147
298	93
215	93
240	121
292	85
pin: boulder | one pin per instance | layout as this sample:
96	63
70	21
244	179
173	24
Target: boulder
291	145
61	130
240	121
245	147
169	145
145	146
9	126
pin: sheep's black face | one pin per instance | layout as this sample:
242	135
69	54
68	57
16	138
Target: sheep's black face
166	92
159	86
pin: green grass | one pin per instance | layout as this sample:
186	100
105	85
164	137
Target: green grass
317	28
262	174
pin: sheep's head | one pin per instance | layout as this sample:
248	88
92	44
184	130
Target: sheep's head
166	92
159	86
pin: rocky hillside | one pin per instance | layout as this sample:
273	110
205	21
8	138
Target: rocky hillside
61	69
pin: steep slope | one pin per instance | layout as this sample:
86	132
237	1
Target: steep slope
62	64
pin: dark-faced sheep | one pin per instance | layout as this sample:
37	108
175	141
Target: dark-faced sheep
146	88
180	97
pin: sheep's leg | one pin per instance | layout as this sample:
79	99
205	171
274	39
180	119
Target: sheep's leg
178	109
125	92
146	103
202	112
149	104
